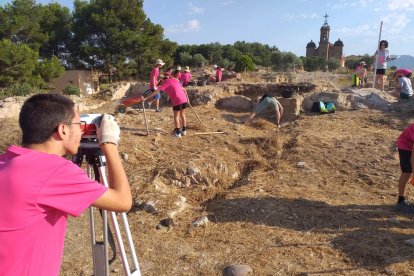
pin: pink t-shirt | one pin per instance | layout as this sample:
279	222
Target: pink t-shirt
406	139
219	74
174	90
403	71
154	75
38	190
185	78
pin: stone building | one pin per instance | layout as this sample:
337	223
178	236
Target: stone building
325	50
87	81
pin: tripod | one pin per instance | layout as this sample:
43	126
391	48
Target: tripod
95	160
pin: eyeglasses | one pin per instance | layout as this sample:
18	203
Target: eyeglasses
82	125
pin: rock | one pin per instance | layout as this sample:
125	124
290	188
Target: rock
124	156
192	170
201	221
237	102
409	242
148	207
237	270
167	222
394	220
301	164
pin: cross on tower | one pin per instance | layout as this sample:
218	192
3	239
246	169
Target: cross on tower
326	18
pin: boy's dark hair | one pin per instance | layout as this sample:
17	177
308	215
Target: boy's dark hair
264	97
176	72
41	114
385	42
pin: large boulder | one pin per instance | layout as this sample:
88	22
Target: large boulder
237	102
10	107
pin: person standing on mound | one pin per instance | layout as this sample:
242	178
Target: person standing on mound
381	56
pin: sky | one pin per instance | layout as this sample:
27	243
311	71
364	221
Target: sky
287	24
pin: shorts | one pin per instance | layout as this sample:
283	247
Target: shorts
268	102
180	107
405	96
405	160
149	91
380	71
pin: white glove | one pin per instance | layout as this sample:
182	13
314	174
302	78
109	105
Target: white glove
108	131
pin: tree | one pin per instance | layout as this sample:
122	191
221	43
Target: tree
50	69
333	64
185	58
56	24
245	63
20	23
314	63
198	60
110	33
17	64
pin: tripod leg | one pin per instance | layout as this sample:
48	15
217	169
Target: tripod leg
145	117
117	231
99	249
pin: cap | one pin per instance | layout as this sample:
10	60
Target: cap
159	61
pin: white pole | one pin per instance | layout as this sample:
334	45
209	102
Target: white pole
376	57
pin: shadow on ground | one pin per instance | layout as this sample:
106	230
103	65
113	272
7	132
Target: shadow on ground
362	232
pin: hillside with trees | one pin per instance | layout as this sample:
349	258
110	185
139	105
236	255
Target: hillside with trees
39	42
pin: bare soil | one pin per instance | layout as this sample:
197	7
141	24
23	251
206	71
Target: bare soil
312	198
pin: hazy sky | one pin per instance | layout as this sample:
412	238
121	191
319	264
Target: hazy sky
287	24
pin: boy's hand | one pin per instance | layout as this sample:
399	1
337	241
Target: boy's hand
109	131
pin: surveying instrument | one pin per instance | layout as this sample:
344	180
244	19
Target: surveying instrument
90	151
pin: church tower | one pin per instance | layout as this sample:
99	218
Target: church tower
324	40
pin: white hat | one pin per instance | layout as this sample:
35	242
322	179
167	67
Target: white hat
215	66
187	69
178	67
160	62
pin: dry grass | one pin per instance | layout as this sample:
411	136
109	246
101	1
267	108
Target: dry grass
327	217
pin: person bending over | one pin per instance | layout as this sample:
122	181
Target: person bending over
265	102
39	188
178	96
403	88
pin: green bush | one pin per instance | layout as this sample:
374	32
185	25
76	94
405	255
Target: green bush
244	63
18	89
71	90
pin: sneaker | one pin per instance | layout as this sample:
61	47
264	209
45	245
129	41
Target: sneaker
157	110
183	132
176	135
404	207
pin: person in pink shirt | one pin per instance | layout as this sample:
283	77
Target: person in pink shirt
41	188
186	77
178	72
154	83
219	73
402	71
405	145
179	100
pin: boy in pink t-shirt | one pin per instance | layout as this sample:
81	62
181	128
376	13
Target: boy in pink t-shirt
185	77
41	188
178	97
154	83
405	144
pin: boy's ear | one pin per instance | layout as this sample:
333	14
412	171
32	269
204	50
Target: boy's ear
61	130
